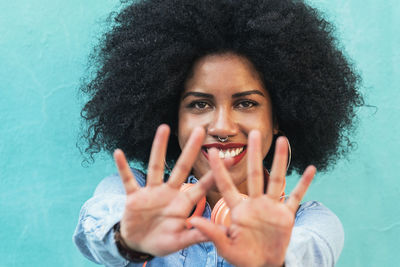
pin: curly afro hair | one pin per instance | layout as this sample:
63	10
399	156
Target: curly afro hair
143	61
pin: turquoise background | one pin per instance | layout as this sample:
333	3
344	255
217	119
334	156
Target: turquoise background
43	53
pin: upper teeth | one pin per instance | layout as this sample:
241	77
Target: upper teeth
230	153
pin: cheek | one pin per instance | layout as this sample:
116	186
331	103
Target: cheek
267	143
265	126
181	136
185	127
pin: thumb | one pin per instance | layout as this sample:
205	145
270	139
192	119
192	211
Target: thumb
212	231
191	237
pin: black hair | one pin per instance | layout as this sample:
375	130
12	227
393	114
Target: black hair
143	61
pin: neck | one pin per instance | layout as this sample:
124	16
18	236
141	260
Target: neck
212	198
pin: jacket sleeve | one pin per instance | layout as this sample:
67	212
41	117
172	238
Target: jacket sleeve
317	237
94	234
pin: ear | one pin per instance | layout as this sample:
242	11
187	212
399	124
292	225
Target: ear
276	130
276	126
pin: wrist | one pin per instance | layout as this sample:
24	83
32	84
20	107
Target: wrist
125	251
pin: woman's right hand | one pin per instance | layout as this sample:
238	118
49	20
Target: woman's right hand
154	220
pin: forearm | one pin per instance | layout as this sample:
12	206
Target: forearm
308	250
317	238
94	235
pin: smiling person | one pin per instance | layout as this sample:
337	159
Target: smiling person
231	95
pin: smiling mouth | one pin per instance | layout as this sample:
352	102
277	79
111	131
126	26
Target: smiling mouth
228	153
235	151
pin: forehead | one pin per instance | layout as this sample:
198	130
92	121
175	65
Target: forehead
225	73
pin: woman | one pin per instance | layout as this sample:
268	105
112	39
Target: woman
228	77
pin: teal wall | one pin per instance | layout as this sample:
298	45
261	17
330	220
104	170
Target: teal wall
43	51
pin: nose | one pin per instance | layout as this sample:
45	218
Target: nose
222	124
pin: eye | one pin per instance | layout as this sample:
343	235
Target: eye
199	105
246	104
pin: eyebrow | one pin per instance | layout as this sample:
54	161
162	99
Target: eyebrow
258	92
204	95
197	94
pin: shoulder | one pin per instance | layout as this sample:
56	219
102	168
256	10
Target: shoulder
314	221
113	185
314	213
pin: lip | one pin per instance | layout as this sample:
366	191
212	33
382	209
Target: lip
220	146
224	146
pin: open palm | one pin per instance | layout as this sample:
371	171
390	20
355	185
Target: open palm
155	216
261	225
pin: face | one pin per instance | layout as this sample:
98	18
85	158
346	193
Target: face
226	97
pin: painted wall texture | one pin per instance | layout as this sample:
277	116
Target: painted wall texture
43	53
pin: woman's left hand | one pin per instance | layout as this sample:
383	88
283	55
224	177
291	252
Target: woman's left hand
261	225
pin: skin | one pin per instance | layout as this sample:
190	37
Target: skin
158	225
226	97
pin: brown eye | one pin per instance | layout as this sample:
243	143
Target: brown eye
199	105
246	104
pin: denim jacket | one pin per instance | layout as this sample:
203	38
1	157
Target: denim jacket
317	237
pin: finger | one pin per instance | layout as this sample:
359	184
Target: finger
157	156
199	190
299	191
222	178
191	237
212	231
127	177
254	165
228	162
278	170
189	154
